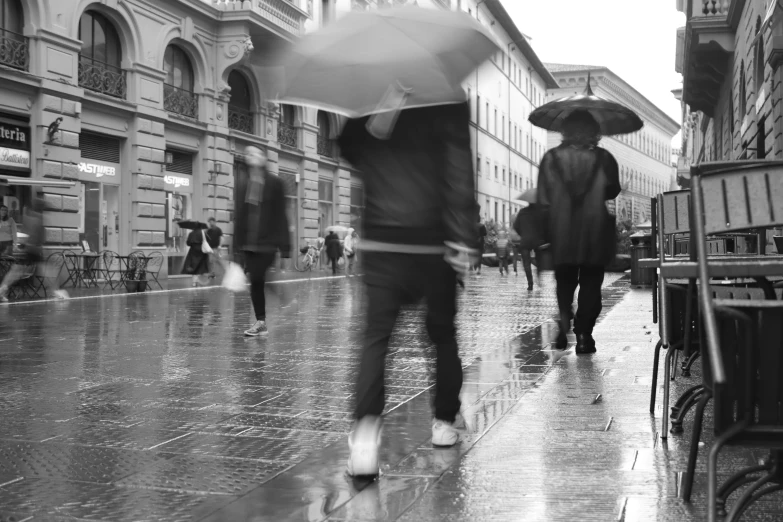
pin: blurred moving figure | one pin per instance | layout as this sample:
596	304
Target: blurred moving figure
502	250
529	228
7	232
419	195
196	261
334	250
33	253
575	179
215	240
261	229
349	250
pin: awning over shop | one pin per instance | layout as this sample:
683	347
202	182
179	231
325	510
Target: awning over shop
27	182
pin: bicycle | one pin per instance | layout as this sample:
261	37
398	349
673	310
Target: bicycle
309	259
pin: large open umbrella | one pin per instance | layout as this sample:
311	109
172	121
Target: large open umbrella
385	60
614	118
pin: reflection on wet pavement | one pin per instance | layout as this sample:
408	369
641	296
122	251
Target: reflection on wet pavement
153	407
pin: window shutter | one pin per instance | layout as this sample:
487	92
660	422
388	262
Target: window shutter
182	162
99	147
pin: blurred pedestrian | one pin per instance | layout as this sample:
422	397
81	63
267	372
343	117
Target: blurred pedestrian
8	236
260	230
482	236
32	254
197	260
502	251
530	228
419	197
575	179
349	250
334	250
214	236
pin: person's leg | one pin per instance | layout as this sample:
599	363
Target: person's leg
13	275
528	266
591	279
257	263
567	277
515	254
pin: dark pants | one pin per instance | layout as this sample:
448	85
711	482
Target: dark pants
393	280
589	279
335	261
527	264
256	265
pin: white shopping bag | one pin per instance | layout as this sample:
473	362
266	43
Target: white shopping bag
234	278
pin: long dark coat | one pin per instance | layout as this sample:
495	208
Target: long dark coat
574	183
196	262
334	250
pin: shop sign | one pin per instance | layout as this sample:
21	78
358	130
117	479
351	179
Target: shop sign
176	181
98	170
19	159
14	136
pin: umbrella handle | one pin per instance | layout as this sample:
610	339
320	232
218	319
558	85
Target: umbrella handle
381	124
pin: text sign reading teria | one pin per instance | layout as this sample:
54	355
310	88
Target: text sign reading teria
14	146
178	182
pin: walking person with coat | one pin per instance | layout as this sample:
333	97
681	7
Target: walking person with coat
196	261
575	180
419	197
260	230
529	227
334	250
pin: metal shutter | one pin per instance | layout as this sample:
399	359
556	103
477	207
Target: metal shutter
99	147
182	162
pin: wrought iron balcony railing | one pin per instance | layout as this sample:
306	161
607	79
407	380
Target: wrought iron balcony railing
240	119
14	50
286	135
101	77
180	101
286	14
325	147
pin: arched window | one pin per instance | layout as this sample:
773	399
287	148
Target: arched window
240	116
14	51
325	143
179	97
286	132
100	57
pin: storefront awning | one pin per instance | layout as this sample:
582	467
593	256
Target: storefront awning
14	181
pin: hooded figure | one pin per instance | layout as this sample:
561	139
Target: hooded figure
574	182
334	250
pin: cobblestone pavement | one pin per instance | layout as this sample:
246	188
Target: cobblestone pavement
153	407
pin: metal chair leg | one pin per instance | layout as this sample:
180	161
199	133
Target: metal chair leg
654	388
694	449
735	482
747	497
712	469
675	410
686	364
666	385
678	419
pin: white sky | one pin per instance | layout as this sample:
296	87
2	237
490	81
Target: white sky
635	39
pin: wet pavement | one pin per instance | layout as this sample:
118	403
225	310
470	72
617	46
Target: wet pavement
154	407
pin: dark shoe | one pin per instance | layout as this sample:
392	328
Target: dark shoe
585	344
562	340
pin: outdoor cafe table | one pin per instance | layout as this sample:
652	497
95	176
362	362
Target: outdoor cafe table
85	266
728	265
127	269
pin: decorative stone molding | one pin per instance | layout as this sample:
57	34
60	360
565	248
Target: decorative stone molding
234	52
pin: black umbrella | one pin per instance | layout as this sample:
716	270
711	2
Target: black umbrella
613	118
191	224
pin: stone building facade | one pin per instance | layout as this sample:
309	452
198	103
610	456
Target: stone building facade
148	107
644	157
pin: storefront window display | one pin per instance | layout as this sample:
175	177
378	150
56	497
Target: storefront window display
99	196
179	203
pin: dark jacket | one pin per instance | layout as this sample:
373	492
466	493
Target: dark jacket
574	184
419	183
196	262
334	249
261	227
530	224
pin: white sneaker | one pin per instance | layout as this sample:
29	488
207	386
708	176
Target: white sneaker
447	433
61	294
364	442
257	329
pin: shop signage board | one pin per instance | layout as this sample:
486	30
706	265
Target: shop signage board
14	158
101	172
14	146
178	183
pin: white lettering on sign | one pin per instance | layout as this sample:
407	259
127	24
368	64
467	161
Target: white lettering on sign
177	181
13	134
14	158
98	170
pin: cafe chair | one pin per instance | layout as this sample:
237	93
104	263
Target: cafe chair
154	264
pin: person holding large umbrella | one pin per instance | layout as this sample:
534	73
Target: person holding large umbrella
396	73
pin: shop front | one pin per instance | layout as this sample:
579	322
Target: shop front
14	162
99	192
179	204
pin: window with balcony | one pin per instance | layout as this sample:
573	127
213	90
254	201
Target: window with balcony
325	141
178	95
14	48
240	115
286	132
100	57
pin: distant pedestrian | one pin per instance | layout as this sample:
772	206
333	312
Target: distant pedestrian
334	250
419	196
529	226
196	261
260	230
502	250
8	236
31	258
482	237
575	179
215	241
349	250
